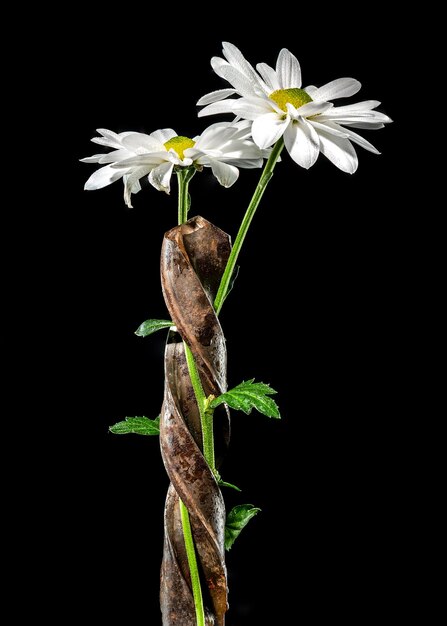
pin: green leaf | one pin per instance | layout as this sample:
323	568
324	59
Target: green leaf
237	519
223	483
248	395
151	326
137	425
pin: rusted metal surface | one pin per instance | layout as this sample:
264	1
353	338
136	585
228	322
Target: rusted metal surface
193	259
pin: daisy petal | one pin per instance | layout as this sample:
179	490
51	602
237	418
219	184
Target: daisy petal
333	129
247	163
267	129
361	141
215	132
225	106
198	156
367	117
215	96
108	133
160	177
163	135
269	75
150	158
372	126
339	88
226	174
105	141
235	57
92	159
365	105
141	141
212	137
311	90
104	176
241	150
313	108
130	181
288	70
136	187
302	143
242	83
176	160
243	129
109	138
217	63
339	151
115	156
251	108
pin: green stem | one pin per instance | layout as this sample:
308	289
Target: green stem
206	419
266	175
184	175
192	562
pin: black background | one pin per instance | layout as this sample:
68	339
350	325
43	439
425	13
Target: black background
312	313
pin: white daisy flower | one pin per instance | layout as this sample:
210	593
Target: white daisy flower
223	147
126	145
278	107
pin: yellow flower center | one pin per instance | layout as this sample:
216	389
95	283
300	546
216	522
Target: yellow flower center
294	96
180	144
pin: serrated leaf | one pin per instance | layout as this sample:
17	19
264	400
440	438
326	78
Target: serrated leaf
137	425
151	326
237	519
248	395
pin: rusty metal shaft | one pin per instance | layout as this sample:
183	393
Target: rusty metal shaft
194	256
